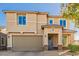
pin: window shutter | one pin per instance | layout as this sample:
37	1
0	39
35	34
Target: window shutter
61	24
24	20
20	20
50	22
64	23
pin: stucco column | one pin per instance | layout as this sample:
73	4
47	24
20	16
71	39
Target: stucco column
67	42
60	41
9	41
45	41
69	38
72	38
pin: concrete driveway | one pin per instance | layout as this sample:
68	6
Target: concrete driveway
41	53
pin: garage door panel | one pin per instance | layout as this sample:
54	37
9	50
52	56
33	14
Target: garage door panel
27	43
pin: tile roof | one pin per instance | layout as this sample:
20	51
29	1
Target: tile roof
68	30
53	25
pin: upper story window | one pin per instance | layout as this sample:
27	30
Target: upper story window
63	23
22	20
50	22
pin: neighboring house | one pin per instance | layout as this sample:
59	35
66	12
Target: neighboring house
34	31
76	42
3	39
3	30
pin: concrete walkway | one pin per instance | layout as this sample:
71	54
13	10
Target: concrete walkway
42	53
63	52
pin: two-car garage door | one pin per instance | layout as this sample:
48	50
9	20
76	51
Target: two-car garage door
27	42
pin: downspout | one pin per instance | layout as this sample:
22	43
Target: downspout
37	23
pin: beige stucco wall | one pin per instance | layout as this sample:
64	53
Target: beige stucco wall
42	20
12	23
57	21
33	23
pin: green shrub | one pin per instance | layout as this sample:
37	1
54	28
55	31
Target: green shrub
73	48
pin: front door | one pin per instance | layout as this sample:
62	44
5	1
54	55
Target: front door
50	43
64	40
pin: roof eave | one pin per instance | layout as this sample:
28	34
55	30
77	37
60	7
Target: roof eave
13	11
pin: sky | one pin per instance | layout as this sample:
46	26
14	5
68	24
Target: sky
51	8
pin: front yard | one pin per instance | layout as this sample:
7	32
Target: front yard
73	50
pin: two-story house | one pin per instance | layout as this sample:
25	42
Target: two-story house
34	31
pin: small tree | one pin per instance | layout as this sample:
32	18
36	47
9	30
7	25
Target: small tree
71	11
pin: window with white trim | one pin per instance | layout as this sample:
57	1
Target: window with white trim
50	22
62	22
22	20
